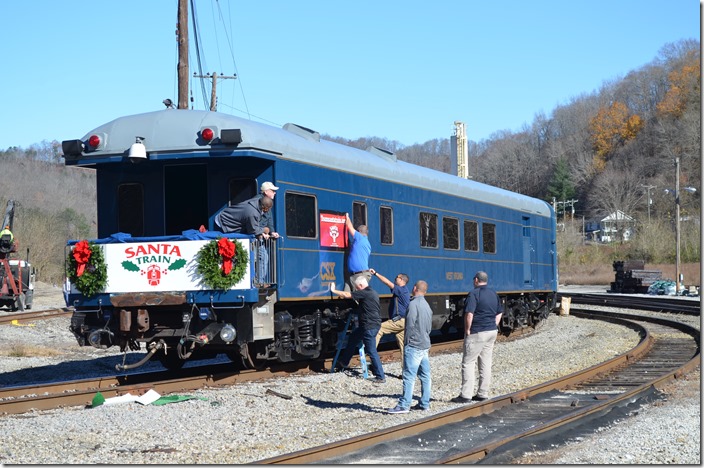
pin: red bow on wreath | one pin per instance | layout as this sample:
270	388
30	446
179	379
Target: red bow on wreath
82	254
227	250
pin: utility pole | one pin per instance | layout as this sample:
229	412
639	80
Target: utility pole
649	188
182	39
564	204
213	95
677	226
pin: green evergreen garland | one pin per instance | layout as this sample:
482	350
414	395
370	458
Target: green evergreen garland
209	265
94	277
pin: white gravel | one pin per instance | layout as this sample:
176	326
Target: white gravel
243	424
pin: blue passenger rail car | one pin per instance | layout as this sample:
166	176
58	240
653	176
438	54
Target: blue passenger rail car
163	176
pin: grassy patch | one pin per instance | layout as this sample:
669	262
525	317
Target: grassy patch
25	350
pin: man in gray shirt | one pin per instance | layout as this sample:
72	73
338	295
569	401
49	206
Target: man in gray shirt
245	217
419	321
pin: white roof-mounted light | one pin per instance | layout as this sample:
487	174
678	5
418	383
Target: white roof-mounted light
137	152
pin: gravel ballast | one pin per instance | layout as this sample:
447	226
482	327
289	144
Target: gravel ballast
244	423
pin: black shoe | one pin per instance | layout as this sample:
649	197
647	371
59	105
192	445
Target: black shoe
460	399
479	398
341	368
420	408
377	380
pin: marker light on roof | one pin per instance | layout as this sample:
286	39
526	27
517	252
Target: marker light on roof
94	141
207	134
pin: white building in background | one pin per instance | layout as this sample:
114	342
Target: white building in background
617	226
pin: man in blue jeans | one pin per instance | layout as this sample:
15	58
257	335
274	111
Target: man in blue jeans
419	322
369	324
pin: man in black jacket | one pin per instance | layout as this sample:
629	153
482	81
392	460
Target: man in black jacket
369	324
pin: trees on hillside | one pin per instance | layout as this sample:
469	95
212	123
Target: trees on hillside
615	141
601	148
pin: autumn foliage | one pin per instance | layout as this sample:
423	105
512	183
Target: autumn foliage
611	127
685	82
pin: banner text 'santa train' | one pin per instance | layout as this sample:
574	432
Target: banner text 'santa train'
154	276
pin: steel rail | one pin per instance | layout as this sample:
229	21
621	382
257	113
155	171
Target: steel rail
20	317
481	452
413	428
683	305
21	399
360	444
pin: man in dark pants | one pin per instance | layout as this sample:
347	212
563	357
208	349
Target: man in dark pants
482	315
369	324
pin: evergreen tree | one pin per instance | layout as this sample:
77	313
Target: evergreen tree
560	187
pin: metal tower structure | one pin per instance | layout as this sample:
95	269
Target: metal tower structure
460	153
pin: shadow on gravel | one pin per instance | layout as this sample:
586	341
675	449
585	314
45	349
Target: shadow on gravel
334	404
85	369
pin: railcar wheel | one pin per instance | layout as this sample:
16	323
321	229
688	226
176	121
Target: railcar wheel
19	303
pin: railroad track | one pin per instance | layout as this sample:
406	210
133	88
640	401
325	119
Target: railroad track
45	396
504	424
70	395
21	317
682	305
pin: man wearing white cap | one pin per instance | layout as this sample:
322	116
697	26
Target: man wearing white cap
268	189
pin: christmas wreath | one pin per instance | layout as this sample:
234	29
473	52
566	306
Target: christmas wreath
222	263
86	268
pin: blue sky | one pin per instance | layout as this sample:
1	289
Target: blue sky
398	70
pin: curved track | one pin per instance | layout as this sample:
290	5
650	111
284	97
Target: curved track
667	349
683	305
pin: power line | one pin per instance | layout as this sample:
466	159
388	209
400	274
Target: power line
213	92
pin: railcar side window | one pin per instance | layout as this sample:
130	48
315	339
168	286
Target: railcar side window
130	209
471	236
241	190
428	230
359	214
489	237
301	215
386	225
451	233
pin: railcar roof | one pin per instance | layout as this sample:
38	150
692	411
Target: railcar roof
173	130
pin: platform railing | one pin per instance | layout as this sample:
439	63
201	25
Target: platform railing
265	262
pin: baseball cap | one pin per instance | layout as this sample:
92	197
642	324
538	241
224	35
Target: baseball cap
269	186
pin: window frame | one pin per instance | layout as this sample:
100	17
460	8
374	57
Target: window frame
456	222
316	233
360	210
485	228
382	224
467	233
434	216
